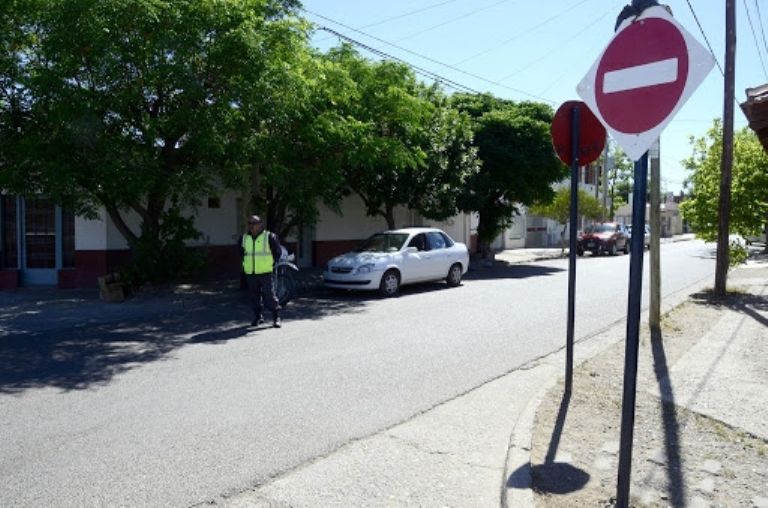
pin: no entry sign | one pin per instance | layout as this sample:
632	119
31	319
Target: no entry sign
643	77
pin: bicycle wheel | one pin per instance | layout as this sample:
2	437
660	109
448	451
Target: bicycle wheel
285	285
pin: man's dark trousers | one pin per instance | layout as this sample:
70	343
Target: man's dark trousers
260	289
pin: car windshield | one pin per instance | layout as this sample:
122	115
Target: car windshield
601	228
383	242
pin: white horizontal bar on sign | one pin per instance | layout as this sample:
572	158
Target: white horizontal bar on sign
641	76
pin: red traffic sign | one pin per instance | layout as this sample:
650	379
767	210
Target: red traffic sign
643	77
591	134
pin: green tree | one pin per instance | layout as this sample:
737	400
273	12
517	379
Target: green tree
295	154
559	209
620	180
139	106
404	145
749	190
518	165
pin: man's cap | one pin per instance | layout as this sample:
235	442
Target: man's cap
255	219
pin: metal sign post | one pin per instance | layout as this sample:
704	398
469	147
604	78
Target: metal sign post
578	138
575	117
633	331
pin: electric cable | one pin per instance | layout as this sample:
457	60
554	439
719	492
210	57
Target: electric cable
424	72
696	17
448	22
762	28
517	36
556	47
442	64
754	37
403	15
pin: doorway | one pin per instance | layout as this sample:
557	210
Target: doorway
38	239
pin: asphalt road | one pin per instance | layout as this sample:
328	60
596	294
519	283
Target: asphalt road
158	402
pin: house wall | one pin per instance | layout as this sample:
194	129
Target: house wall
338	233
101	249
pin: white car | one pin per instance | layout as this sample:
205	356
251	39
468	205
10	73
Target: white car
387	260
646	235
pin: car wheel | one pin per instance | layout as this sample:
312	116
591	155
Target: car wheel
613	250
626	247
390	283
454	275
579	252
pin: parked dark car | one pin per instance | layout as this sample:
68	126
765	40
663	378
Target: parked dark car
607	237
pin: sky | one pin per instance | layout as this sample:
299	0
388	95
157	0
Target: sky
539	50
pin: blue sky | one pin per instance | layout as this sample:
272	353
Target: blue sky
540	50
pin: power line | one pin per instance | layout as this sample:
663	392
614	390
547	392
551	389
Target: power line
504	43
705	36
424	72
411	13
475	76
557	47
466	15
404	15
754	36
762	28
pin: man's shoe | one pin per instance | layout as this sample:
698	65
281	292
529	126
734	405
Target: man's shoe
276	323
257	321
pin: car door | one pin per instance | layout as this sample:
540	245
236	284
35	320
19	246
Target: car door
416	264
439	261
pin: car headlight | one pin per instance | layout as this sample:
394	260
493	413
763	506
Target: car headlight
366	268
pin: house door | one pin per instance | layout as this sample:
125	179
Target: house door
38	241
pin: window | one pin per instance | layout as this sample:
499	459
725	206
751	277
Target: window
418	241
435	240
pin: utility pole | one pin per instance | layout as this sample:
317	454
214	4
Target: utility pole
654	313
721	266
607	164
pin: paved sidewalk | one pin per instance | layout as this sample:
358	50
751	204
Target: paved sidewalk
701	418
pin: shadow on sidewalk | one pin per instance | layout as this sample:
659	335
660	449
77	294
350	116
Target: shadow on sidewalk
552	477
676	481
745	303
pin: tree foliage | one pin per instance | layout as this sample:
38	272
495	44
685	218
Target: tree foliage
518	164
403	146
749	189
139	106
559	209
620	179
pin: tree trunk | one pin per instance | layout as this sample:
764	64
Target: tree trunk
389	215
562	240
119	222
484	243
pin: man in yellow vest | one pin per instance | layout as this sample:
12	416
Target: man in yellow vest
260	250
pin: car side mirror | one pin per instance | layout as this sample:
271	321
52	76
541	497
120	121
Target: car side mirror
411	250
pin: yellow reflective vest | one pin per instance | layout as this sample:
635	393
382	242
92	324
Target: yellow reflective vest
257	257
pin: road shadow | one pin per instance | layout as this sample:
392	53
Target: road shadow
674	465
552	477
503	270
76	341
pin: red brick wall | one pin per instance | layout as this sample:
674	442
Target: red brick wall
9	279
